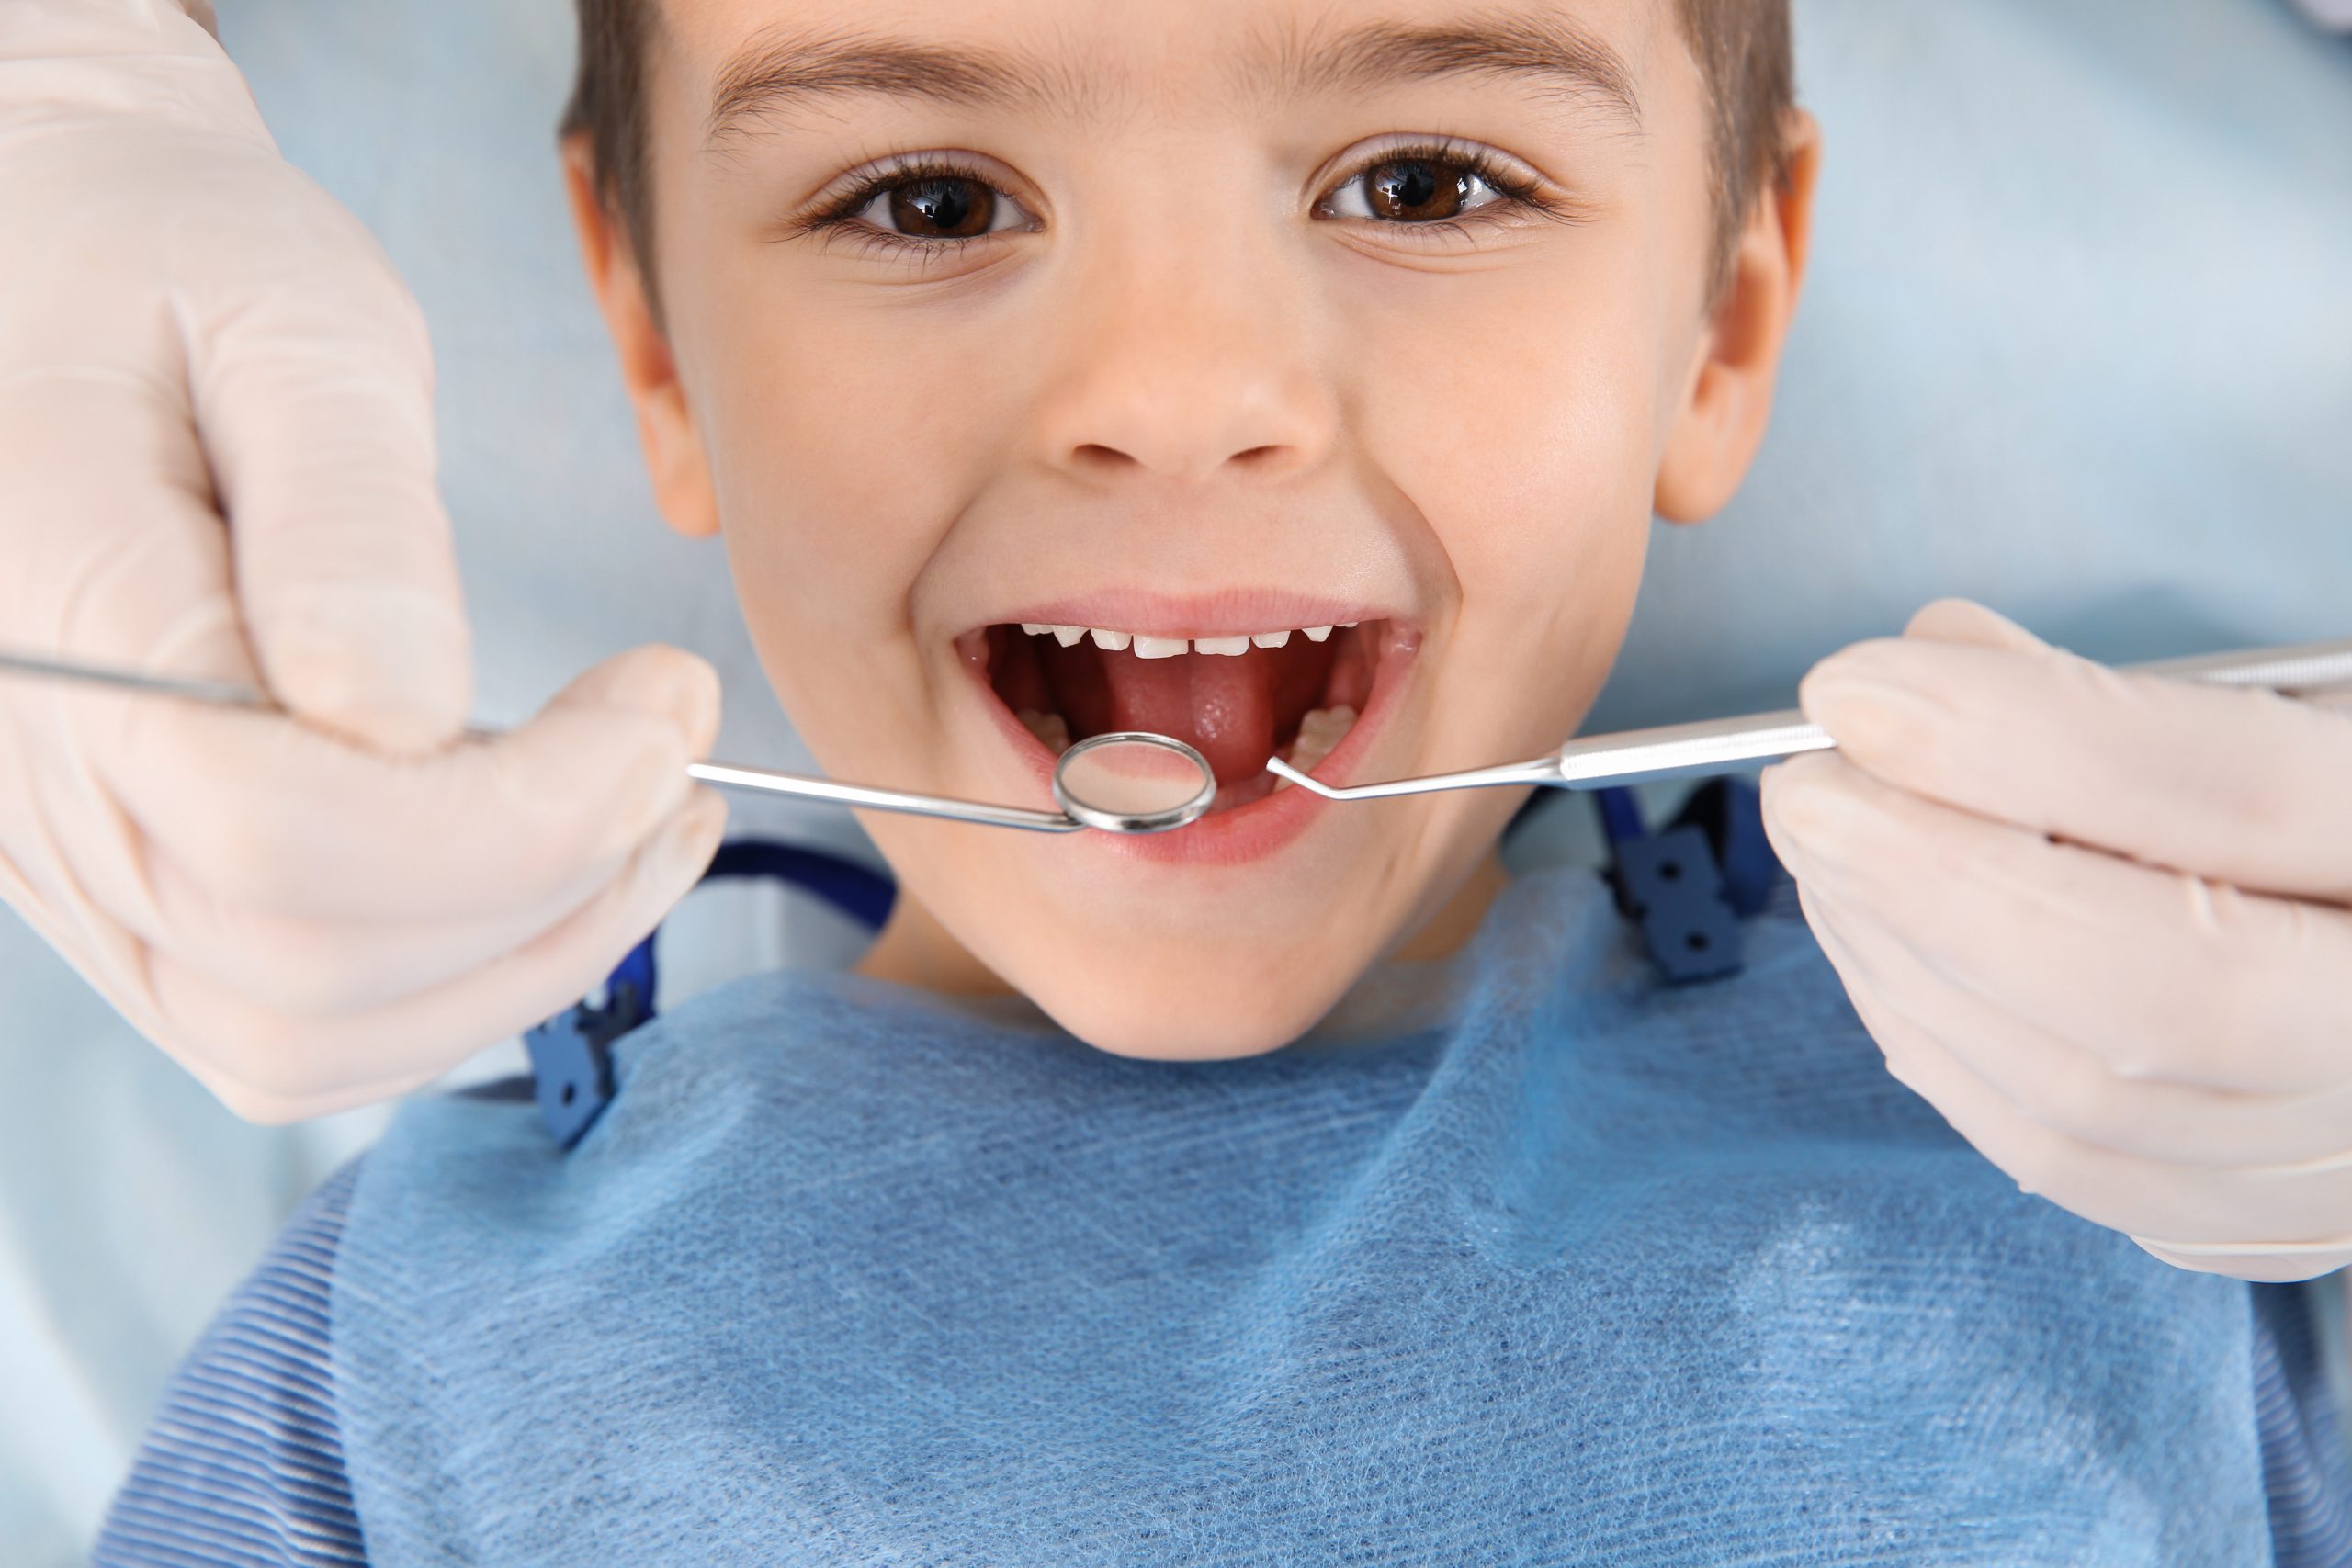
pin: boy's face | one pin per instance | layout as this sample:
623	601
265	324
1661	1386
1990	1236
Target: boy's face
1207	320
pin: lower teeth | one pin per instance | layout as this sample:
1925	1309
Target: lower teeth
1051	729
1319	733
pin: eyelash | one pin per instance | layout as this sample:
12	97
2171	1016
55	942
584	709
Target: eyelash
1515	192
840	215
1518	193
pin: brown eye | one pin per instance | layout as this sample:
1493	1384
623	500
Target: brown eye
1412	190
947	209
1418	188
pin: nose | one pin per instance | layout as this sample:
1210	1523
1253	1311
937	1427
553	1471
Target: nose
1186	360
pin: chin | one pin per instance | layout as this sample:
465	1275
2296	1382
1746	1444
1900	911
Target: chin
1206	1013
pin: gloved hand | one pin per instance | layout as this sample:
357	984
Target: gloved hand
308	912
2100	922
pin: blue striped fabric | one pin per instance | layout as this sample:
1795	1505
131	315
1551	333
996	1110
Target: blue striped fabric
244	1466
2303	1450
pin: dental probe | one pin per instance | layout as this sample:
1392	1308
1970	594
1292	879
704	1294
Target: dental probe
1126	783
1715	746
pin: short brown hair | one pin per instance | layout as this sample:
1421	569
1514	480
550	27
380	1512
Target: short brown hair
1742	48
1749	65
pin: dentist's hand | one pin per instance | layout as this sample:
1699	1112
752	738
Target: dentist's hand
2102	922
217	458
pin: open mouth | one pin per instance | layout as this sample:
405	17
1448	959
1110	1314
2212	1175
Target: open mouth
1292	692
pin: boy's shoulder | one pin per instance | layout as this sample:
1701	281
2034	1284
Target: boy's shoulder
245	1462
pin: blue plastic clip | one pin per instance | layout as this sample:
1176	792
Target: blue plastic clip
571	1054
1673	887
1672	884
1731	814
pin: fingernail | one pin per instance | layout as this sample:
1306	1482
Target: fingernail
696	837
679	687
1809	805
1855	697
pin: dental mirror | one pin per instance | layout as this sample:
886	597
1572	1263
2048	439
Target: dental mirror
1131	782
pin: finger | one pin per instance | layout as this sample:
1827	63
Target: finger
114	552
1965	621
2242	786
332	969
2072	1091
2249	1208
312	382
2281	1265
271	1066
2158	975
273	817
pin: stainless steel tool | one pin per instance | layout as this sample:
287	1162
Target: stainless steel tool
1717	746
1126	783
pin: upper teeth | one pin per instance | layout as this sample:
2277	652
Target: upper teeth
1169	647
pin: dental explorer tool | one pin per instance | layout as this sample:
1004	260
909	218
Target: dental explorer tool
1129	782
1716	746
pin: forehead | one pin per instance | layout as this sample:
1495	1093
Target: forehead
1084	60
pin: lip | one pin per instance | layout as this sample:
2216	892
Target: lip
1244	834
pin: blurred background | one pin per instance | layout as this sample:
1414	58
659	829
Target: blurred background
2078	343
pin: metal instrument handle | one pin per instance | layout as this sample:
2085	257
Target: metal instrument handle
1715	746
1718	745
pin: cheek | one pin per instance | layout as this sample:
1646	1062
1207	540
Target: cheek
833	460
836	462
1520	420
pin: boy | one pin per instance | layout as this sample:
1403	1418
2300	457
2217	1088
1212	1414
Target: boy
1292	378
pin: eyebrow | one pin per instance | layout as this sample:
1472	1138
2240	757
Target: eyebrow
1545	51
781	72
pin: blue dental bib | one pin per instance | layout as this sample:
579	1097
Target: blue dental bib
1597	1271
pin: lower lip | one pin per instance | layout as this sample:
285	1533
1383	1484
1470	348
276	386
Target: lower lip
1246	833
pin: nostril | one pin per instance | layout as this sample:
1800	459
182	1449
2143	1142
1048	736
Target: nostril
1101	458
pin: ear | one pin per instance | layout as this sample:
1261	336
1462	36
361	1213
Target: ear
1730	400
665	425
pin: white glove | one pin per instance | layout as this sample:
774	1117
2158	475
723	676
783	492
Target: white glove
2100	922
312	914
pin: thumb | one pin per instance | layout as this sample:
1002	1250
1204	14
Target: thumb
312	387
1965	621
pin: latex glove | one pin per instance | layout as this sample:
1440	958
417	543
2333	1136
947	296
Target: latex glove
2099	921
310	914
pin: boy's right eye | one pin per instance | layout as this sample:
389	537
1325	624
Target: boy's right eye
940	206
926	207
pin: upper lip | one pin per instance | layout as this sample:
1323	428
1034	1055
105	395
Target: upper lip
1238	613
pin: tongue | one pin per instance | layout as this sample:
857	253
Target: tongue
1221	706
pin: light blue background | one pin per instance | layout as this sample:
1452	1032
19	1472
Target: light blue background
2078	343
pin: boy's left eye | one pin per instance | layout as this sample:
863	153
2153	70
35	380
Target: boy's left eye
1411	190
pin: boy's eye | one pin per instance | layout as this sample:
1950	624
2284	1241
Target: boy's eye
1412	190
940	206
